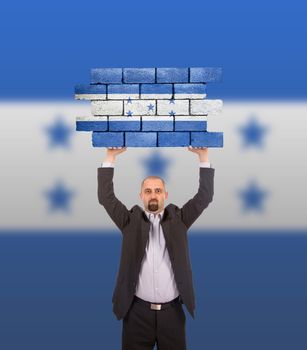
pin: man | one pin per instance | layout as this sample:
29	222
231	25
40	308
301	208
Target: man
155	275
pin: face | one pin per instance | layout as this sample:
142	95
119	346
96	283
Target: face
153	195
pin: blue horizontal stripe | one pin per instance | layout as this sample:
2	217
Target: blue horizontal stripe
124	125
189	88
172	75
156	88
106	75
107	139
206	75
157	125
90	89
123	89
52	281
139	75
260	49
140	139
186	125
210	139
91	125
173	139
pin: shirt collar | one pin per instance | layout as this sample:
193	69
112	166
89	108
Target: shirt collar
148	213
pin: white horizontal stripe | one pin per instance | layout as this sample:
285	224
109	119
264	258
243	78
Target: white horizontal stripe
190	96
90	96
124	119
123	96
77	167
91	119
190	118
157	96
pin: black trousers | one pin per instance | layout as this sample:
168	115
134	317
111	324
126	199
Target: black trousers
143	327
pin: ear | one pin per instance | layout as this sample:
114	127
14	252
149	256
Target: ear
166	195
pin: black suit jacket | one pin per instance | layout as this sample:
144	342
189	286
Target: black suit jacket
135	225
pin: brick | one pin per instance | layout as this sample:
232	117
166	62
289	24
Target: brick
205	74
106	75
205	107
191	91
139	75
123	91
91	123
107	139
178	107
90	92
207	139
157	91
190	123
124	123
140	107
172	75
107	107
173	139
140	139
154	123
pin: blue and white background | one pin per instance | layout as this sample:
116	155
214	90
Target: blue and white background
59	251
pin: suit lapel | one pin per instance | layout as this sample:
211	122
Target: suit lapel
145	226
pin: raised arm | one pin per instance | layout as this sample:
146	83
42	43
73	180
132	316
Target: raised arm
195	206
114	207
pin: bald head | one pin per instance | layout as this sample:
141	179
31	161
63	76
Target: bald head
152	177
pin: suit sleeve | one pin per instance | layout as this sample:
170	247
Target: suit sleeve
114	207
192	209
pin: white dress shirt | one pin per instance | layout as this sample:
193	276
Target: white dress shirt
156	281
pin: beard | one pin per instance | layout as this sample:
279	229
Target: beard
153	205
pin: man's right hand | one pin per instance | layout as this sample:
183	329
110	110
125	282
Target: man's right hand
112	152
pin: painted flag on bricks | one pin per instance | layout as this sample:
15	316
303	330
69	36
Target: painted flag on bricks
150	107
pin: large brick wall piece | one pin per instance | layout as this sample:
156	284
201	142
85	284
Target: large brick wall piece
150	107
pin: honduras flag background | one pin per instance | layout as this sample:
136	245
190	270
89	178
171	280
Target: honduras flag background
59	251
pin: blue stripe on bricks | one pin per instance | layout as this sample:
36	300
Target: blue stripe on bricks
139	75
91	125
173	139
205	74
107	139
140	139
156	89
123	89
190	125
172	75
115	125
106	75
189	88
90	89
207	139
157	125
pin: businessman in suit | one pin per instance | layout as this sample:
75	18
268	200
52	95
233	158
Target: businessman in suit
155	275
